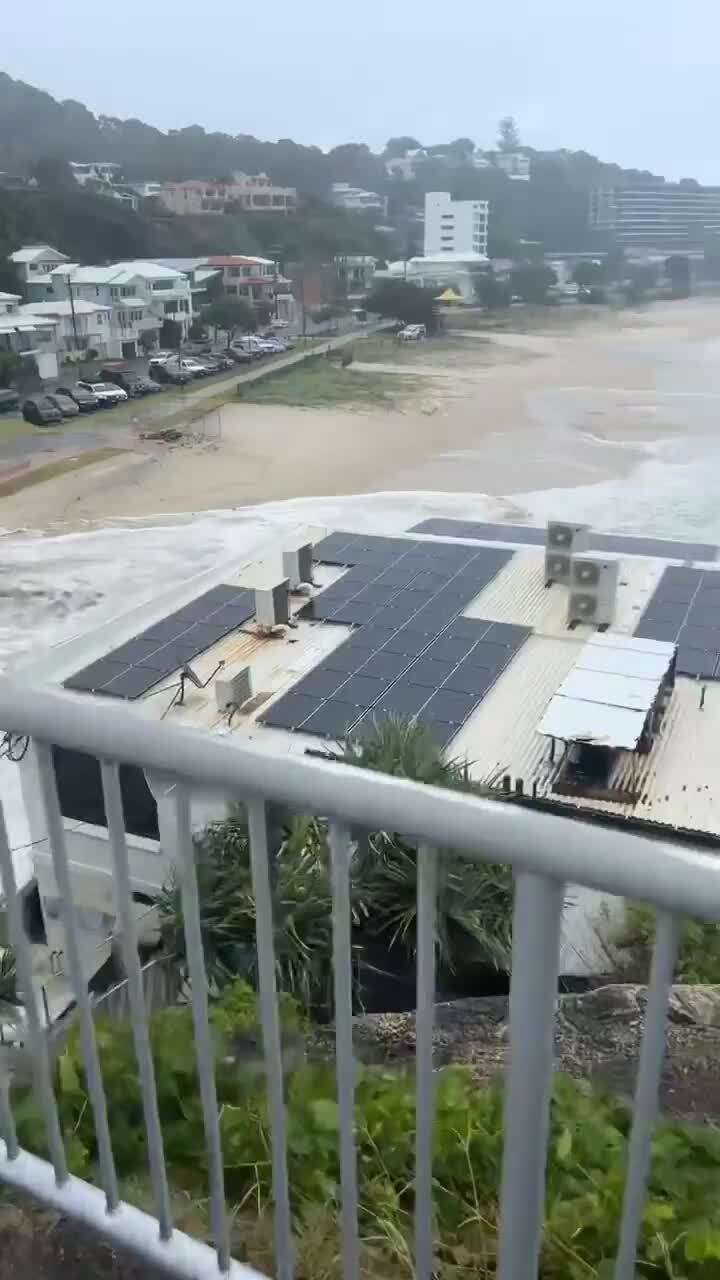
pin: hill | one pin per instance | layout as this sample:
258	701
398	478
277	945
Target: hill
37	132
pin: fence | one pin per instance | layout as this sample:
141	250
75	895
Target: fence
545	851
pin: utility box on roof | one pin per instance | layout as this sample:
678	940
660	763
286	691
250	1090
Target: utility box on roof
297	564
233	686
272	604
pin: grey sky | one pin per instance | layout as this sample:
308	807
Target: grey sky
634	81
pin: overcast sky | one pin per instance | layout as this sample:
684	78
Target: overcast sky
635	81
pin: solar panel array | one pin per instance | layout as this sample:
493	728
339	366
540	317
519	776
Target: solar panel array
618	543
410	653
685	609
138	664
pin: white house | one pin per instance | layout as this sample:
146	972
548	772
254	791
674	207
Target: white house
34	264
139	296
30	337
356	199
80	326
454	226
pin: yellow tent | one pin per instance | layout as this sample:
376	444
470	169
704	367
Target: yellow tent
449	296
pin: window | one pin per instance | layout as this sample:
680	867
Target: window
247	271
126	293
234	272
163	284
33	266
232	289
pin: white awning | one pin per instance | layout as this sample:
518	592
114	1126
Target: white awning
607	696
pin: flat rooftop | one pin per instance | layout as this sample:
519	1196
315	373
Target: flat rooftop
453	626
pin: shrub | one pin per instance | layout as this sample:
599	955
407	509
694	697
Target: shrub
587	1150
474	899
634	939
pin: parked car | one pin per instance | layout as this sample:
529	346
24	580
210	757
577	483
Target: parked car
239	356
9	400
40	411
218	363
251	344
107	393
196	367
85	400
412	333
65	404
129	380
165	373
269	336
199	348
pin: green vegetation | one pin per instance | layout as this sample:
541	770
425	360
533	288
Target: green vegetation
231	314
633	940
474	902
321	382
10	367
398	300
586	1156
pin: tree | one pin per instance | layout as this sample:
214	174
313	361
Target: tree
53	172
489	291
461	148
588	273
531	281
171	334
197	330
400	146
677	269
147	340
263	312
230	315
398	300
11	366
508	138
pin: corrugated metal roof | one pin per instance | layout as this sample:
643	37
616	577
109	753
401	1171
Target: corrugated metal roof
518	594
676	784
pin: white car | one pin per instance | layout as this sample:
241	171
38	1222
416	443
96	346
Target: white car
413	333
106	392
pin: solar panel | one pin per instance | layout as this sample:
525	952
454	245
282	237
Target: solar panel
685	610
403	598
138	664
620	543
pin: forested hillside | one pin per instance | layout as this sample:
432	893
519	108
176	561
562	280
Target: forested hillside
38	133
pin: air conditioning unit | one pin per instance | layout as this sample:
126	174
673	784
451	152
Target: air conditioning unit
571	538
562	542
297	565
233	686
593	591
272	604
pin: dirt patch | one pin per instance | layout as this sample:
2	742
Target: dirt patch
27	477
39	1244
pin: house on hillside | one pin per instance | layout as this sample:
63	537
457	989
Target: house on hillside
34	263
249	192
356	199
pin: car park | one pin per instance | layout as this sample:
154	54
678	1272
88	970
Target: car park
218	363
65	404
250	344
9	400
40	411
238	355
85	400
108	395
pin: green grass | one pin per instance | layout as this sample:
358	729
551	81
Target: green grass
10	427
315	383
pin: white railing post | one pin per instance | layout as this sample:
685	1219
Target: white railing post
533	995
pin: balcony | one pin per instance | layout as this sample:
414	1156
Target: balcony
546	853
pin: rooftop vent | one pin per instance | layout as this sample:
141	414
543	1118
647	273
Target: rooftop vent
272	605
297	565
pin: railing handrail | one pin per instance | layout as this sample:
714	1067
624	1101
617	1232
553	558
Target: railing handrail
673	876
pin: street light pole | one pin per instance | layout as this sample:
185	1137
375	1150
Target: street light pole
72	313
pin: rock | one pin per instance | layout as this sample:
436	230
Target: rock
697	1005
617	1000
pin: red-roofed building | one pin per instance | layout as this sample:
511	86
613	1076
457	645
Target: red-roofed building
256	279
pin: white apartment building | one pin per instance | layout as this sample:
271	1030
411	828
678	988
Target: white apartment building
138	295
454	226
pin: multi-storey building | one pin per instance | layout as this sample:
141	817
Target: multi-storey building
454	226
250	192
666	216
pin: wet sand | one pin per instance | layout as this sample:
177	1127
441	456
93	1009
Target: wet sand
568	406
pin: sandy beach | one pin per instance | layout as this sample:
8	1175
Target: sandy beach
580	401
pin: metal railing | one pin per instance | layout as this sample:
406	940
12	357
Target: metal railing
545	851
